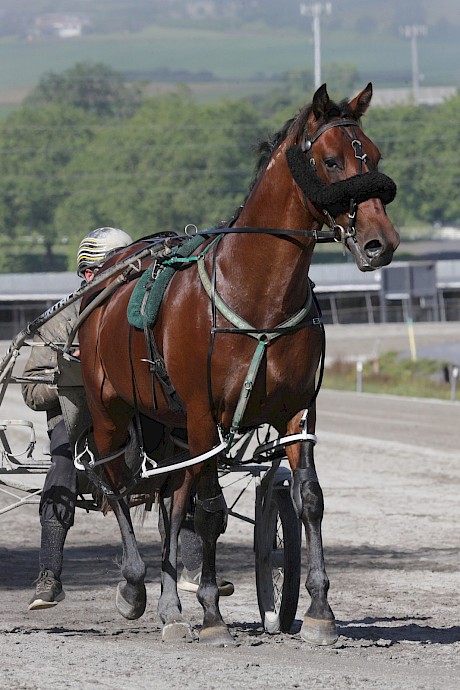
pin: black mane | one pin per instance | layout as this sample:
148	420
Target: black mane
295	126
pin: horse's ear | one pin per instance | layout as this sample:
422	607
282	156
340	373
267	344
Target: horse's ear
320	102
361	102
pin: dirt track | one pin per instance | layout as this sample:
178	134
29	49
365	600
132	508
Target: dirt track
390	473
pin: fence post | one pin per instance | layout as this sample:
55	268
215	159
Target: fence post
453	382
359	377
413	347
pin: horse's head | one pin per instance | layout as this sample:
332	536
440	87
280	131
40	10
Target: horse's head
335	165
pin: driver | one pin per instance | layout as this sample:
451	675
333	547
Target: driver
58	498
57	503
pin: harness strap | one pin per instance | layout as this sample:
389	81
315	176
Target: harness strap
155	360
247	388
240	323
88	467
156	469
318	235
98	300
213	505
285	441
264	338
79	455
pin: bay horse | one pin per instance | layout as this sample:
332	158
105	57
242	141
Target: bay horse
319	170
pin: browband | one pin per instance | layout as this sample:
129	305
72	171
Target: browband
307	141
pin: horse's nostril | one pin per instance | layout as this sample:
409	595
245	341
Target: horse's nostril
373	248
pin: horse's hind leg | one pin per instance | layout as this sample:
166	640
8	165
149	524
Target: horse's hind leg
131	595
111	433
319	624
173	504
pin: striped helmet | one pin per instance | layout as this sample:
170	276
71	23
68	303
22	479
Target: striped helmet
95	247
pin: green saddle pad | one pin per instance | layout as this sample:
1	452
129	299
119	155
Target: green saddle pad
157	290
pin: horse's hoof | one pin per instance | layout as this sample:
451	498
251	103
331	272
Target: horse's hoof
177	631
217	635
318	632
130	609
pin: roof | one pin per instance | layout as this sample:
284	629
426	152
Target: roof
343	278
328	278
37	287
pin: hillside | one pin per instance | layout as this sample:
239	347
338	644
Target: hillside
230	47
442	17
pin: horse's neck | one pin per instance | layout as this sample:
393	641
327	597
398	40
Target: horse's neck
276	201
281	265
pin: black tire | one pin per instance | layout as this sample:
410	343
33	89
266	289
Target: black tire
278	563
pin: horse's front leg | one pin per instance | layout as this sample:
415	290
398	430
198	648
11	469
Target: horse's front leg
173	503
131	595
319	624
210	522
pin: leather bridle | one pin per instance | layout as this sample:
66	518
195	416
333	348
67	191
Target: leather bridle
341	234
306	146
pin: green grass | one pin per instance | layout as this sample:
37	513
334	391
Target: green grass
234	55
392	375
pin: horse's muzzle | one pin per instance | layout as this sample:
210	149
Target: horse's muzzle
374	254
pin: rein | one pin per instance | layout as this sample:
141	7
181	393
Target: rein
318	235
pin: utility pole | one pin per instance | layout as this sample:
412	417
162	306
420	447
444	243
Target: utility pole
412	32
315	10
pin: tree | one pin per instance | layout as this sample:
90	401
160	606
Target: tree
174	163
36	146
418	145
438	174
396	131
93	87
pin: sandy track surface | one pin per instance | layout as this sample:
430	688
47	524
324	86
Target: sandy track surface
390	472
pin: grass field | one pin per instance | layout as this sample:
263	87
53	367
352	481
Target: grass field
392	375
233	56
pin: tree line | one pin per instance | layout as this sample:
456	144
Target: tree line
87	149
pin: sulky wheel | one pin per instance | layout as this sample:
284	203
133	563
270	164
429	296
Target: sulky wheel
277	560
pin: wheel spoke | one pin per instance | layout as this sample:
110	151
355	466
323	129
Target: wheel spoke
278	582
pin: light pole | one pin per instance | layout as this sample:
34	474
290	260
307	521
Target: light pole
412	32
315	10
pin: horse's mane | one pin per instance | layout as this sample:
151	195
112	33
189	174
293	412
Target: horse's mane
292	127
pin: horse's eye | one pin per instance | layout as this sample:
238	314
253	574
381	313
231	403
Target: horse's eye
330	163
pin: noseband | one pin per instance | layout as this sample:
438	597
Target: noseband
345	195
